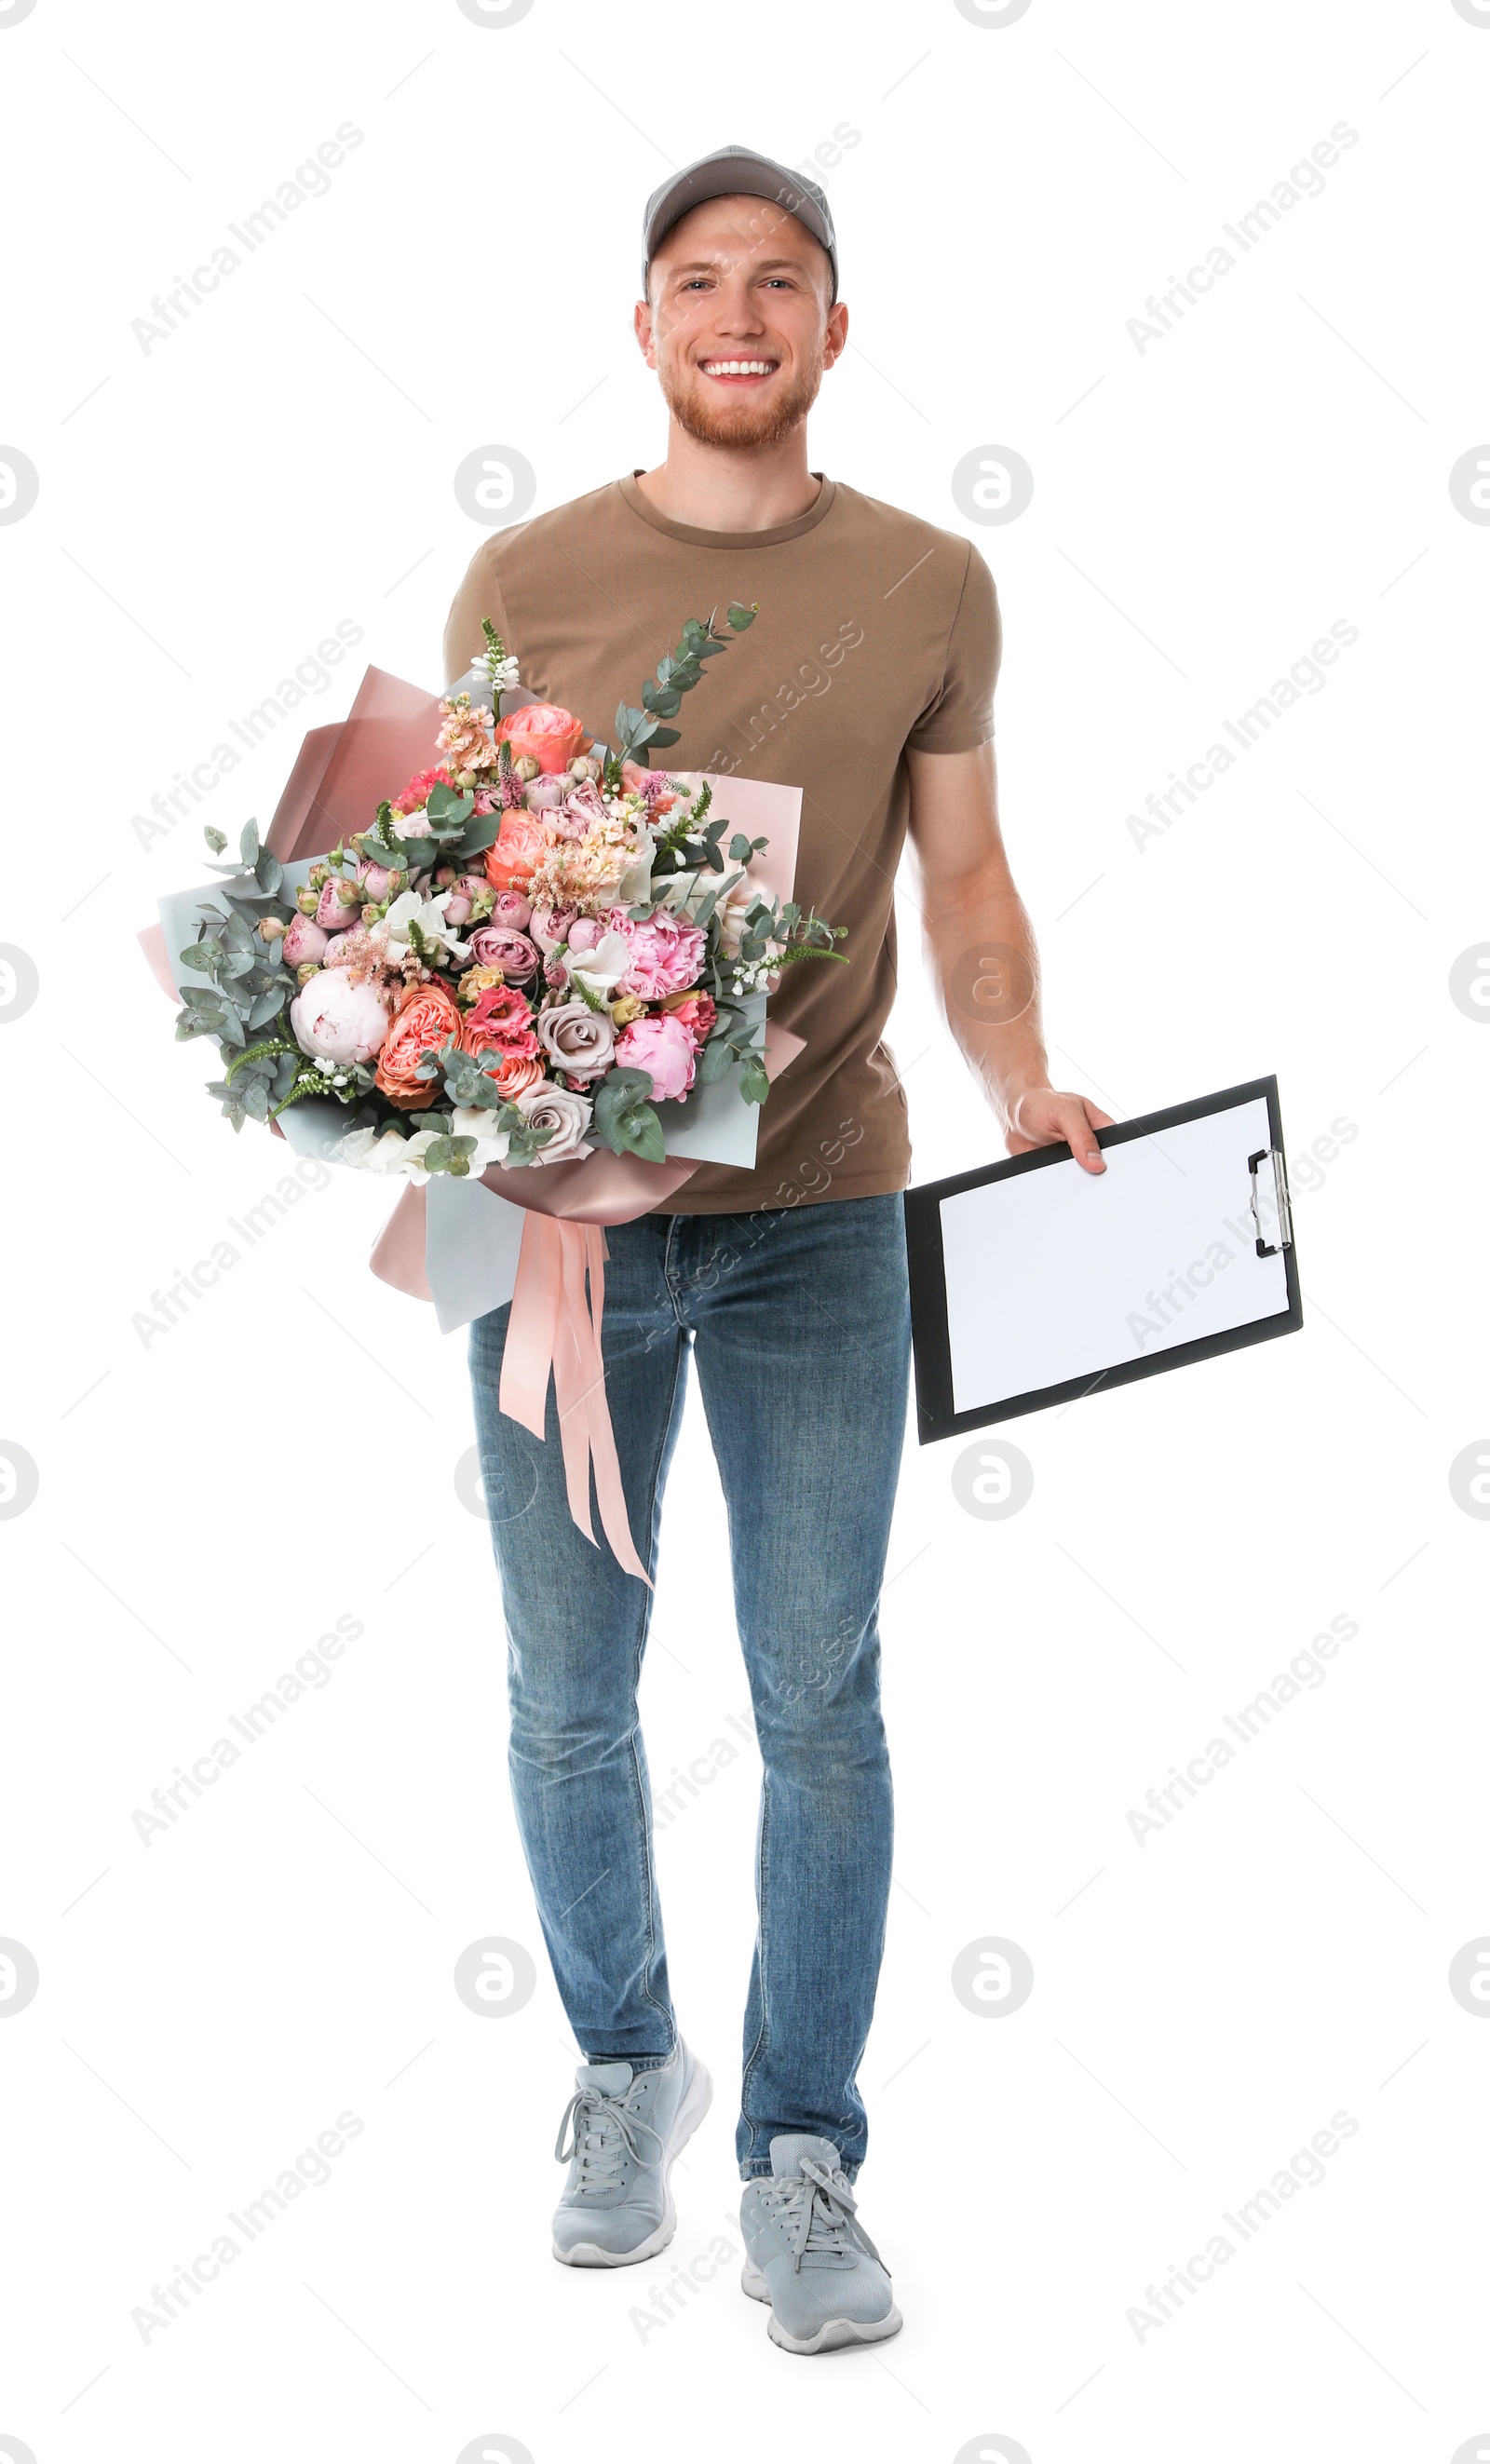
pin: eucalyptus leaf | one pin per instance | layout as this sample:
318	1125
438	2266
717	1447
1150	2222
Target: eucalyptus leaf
715	1061
248	846
215	839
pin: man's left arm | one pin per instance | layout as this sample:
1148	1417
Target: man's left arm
982	954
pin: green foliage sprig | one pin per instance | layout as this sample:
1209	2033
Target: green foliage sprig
678	671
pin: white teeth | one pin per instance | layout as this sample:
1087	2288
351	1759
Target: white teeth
738	368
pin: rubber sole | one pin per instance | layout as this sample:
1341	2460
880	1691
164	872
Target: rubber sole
696	2102
834	2336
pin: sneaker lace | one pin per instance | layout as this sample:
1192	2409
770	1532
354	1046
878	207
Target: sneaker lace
817	2209
602	2137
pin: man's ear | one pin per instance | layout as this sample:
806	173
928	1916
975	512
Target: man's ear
836	333
642	326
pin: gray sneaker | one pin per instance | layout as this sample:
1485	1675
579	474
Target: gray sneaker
806	2255
626	2129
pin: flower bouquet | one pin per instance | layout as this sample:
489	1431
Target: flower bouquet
531	946
532	985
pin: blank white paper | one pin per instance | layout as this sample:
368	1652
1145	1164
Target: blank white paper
1058	1273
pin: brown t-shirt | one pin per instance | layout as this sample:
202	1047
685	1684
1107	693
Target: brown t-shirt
876	631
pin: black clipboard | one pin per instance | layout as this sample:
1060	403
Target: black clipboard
1060	1221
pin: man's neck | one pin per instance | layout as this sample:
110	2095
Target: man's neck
711	488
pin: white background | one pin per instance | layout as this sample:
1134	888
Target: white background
210	1503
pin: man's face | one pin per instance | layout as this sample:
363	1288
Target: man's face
738	325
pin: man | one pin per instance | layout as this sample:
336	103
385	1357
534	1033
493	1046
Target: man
868	680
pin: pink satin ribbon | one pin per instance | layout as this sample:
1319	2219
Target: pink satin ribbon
555	1328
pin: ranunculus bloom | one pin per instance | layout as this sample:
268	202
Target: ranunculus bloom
501	1020
663	1048
518	845
577	1039
695	1011
510	908
303	940
666	955
335	1019
493	945
561	1110
425	1020
550	735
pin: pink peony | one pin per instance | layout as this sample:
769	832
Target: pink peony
584	933
510	908
663	1048
373	879
666	957
333	910
337	1021
303	942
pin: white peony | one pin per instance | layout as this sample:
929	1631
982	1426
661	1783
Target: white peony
337	1021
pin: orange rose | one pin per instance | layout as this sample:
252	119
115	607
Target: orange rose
517	1074
517	849
425	1020
551	736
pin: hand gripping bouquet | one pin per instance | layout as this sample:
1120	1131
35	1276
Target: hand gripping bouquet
538	973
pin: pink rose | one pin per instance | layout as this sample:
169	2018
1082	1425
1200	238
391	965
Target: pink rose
492	945
545	794
666	957
374	881
663	1048
510	908
457	910
549	926
584	933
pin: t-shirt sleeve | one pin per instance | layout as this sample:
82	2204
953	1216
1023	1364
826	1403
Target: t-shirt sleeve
960	715
480	595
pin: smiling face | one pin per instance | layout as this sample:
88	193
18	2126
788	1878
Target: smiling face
739	325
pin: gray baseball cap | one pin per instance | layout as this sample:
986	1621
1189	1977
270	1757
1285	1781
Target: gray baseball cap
738	171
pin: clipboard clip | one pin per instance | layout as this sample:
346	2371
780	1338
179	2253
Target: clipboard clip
1284	1239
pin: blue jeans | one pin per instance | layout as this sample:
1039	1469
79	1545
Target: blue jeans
799	1322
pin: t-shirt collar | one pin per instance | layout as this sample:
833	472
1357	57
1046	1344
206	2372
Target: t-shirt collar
691	537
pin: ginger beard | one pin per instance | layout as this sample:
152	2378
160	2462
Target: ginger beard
753	420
